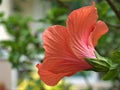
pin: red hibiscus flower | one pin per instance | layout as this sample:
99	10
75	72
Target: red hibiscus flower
67	47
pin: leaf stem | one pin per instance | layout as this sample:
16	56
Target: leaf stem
114	8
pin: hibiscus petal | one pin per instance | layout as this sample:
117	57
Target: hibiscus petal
56	64
59	60
100	29
56	41
57	50
80	24
50	78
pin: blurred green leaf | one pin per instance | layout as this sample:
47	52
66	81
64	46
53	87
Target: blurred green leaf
115	57
14	59
7	43
1	14
112	73
0	1
55	17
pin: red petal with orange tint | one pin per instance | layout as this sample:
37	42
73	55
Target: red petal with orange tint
80	24
48	77
59	60
100	29
51	78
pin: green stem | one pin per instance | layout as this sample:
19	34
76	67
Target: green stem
110	2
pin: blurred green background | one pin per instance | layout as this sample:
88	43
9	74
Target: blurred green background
25	47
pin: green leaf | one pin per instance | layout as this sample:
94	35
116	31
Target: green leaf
14	58
116	57
1	14
0	1
112	73
7	43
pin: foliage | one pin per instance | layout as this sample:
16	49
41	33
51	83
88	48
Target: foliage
0	1
60	16
22	43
